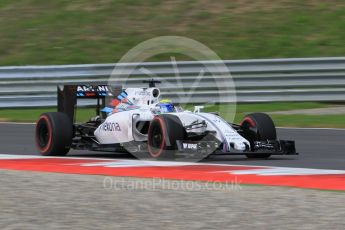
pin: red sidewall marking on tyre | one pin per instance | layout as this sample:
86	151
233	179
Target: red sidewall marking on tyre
250	121
50	131
155	155
273	176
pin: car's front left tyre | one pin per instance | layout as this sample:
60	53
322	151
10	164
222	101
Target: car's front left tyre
53	134
258	127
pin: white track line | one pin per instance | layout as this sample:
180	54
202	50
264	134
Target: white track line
141	163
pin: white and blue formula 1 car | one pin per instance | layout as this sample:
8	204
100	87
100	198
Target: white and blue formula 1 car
138	121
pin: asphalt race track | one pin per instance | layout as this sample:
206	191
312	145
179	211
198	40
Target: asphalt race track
77	201
318	148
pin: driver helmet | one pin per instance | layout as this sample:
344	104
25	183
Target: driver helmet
166	106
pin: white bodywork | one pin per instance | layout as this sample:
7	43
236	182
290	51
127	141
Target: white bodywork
120	127
224	132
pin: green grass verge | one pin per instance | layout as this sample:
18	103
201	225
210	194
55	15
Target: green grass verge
88	31
335	121
316	121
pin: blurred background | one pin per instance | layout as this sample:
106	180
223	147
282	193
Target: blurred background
87	31
39	32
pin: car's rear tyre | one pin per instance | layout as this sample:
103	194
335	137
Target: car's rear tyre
53	134
258	127
163	133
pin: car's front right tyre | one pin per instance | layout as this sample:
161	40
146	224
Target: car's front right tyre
163	133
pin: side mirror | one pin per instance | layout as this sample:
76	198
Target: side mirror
198	108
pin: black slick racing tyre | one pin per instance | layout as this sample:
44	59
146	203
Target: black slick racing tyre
163	133
258	127
53	134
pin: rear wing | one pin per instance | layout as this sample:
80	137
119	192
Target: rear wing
68	95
